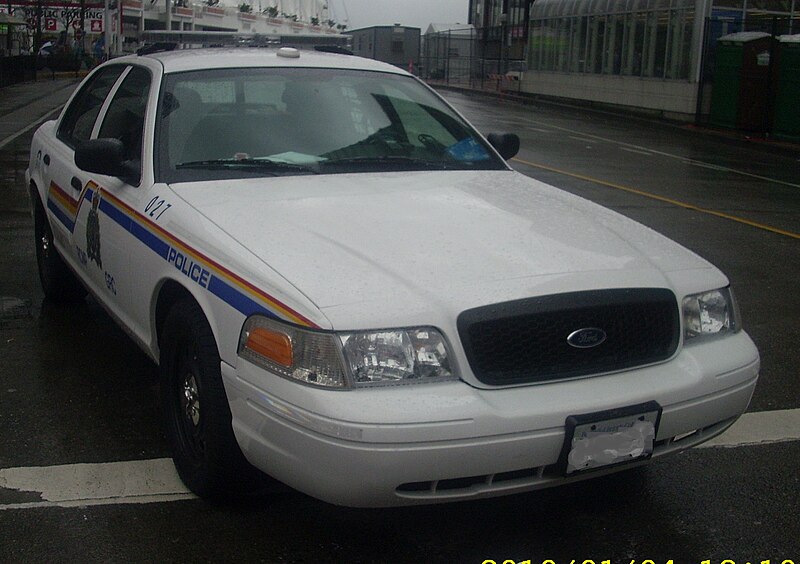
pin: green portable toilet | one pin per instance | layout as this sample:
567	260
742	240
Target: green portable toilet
739	99
786	122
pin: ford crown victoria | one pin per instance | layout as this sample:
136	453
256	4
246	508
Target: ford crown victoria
347	288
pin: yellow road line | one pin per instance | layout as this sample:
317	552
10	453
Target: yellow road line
662	199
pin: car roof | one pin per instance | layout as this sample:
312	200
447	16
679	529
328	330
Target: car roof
243	57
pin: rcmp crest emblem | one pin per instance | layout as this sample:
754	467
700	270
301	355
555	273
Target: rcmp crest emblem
93	231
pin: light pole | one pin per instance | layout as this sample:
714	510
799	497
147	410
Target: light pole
107	30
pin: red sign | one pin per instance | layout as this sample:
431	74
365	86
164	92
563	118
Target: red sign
50	24
96	26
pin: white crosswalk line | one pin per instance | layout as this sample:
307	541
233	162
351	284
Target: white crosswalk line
138	481
761	427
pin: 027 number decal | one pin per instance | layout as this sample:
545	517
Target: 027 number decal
156	207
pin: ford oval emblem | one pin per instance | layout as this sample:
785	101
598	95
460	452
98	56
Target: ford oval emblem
586	338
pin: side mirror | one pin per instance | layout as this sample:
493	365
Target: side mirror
106	156
507	144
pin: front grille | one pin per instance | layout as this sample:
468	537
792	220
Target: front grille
526	340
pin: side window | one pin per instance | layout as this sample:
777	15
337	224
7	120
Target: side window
124	119
80	117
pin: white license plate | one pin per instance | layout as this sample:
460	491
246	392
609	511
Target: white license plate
611	437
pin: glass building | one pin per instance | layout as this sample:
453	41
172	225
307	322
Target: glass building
641	53
643	38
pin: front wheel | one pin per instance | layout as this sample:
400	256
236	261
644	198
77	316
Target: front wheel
198	417
58	282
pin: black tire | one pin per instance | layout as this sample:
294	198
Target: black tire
58	282
196	410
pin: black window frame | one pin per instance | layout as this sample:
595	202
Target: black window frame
133	68
66	128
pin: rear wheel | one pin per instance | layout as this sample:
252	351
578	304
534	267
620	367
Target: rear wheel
198	417
58	281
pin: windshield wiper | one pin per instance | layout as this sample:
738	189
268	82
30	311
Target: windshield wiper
393	161
251	164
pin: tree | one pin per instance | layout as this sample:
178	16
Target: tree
245	8
314	20
70	12
271	11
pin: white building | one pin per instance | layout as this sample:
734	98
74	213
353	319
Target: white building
290	17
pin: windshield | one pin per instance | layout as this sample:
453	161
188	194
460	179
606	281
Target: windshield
237	123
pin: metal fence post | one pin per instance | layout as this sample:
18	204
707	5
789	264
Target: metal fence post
447	59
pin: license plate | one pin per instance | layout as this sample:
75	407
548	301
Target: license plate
608	438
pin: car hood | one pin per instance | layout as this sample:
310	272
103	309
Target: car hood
407	248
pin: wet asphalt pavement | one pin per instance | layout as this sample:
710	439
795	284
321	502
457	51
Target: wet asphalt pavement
74	389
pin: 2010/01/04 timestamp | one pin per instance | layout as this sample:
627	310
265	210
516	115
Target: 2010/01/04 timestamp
727	561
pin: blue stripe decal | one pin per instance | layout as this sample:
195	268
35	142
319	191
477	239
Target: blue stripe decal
118	216
61	215
236	299
152	241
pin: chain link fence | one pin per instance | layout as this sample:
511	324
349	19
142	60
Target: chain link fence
469	58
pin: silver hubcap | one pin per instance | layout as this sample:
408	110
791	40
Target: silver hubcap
191	400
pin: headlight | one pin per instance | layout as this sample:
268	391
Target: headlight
349	359
710	313
396	356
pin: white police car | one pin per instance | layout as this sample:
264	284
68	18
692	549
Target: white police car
345	286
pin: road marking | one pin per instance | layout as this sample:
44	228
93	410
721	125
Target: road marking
758	428
156	481
705	165
27	128
72	485
637	151
662	199
582	139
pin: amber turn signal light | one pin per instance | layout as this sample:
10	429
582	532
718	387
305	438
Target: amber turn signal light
272	345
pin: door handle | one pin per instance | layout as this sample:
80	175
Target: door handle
76	183
47	160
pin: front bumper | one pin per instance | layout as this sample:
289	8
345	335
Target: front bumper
450	441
